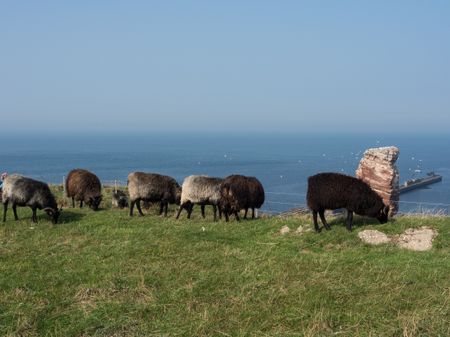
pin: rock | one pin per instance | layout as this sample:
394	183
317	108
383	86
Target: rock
417	239
373	237
302	229
378	169
284	230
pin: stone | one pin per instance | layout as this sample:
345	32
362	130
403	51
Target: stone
373	237
417	239
377	168
302	229
284	230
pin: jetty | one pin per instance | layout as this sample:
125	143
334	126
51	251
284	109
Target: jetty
413	184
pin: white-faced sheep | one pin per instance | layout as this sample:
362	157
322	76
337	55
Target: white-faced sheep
22	191
200	190
152	187
334	191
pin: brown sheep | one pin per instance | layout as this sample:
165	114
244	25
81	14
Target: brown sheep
239	192
257	196
335	190
84	186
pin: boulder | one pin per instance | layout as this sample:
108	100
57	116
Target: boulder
417	239
373	237
377	168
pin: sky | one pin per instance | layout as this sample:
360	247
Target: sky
241	66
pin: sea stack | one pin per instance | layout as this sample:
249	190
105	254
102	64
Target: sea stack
378	169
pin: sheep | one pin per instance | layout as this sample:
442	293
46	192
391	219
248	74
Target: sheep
152	187
84	186
257	196
200	190
240	192
119	199
335	190
23	191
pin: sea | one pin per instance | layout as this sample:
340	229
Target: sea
282	162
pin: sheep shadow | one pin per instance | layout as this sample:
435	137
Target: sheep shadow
67	216
358	221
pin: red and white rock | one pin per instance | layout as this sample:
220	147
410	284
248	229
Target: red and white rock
378	169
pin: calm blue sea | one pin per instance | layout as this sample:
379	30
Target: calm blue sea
281	162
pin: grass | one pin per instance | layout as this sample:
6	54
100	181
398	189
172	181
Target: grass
106	274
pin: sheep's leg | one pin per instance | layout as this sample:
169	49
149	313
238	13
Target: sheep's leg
179	210
73	202
161	207
316	225
5	208
14	207
215	212
220	212
253	212
189	210
132	207
203	211
245	214
322	217
81	203
236	214
226	215
166	206
34	217
349	220
138	206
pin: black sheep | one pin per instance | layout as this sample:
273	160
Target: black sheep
334	190
256	195
239	192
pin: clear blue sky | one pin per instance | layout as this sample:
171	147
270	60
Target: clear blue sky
228	65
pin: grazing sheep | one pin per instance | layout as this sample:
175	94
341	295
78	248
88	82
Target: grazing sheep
22	191
84	186
240	192
257	196
119	199
200	190
334	190
152	187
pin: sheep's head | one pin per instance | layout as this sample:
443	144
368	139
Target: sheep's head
178	194
227	201
383	214
94	202
53	213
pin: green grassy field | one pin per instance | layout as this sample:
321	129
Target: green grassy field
106	274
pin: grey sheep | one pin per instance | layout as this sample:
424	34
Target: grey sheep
152	187
335	190
200	190
22	191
